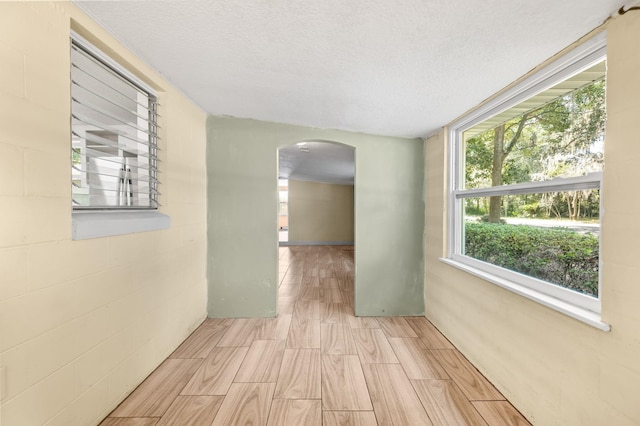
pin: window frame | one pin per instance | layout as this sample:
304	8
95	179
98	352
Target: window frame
104	221
81	44
580	306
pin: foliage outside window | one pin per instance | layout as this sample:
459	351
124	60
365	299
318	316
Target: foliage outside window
114	134
526	185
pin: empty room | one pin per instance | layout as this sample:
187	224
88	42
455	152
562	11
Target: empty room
319	213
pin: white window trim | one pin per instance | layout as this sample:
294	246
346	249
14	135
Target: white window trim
584	315
109	61
574	304
107	223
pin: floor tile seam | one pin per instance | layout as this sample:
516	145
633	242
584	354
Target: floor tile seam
435	359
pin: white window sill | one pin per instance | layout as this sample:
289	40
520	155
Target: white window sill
96	224
588	317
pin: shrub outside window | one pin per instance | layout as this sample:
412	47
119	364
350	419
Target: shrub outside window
526	177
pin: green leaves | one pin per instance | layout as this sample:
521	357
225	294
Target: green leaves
561	138
559	256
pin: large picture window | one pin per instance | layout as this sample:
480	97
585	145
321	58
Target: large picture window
114	134
526	184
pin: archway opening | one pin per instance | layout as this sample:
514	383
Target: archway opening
316	222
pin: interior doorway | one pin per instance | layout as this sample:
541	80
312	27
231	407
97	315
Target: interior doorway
316	217
283	211
316	190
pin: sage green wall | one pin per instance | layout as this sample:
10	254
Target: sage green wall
242	163
320	212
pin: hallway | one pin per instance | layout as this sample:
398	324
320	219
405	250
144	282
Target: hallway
316	364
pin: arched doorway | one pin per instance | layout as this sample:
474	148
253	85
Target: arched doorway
316	216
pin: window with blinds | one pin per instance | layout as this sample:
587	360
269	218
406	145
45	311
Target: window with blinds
113	134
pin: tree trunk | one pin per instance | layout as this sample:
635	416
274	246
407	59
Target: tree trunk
496	173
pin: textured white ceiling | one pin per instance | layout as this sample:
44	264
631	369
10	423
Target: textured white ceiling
401	67
318	161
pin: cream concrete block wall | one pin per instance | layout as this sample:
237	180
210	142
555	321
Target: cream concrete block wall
556	370
83	322
320	212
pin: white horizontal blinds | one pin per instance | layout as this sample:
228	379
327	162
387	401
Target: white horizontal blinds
114	136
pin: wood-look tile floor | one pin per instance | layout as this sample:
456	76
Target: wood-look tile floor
316	364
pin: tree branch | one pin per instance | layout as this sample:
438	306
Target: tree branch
514	139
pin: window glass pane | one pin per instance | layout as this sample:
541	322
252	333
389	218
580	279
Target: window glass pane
526	182
113	137
550	236
557	133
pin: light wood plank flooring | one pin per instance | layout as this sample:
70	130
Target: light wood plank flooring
316	364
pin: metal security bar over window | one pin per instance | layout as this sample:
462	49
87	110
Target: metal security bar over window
113	135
